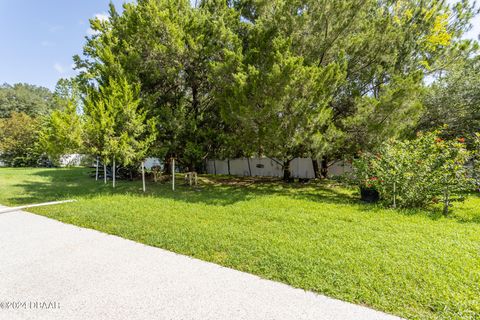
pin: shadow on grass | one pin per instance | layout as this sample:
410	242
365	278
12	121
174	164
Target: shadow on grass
461	211
77	183
213	190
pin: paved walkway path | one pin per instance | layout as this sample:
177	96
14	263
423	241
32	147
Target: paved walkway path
92	275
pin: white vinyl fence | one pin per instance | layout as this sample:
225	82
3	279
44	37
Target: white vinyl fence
72	160
267	167
152	162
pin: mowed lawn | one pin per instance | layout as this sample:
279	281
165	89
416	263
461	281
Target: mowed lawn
415	264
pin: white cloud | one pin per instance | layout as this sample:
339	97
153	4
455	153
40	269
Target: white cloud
91	32
99	16
59	68
102	16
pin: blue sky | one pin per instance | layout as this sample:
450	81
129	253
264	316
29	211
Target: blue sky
39	37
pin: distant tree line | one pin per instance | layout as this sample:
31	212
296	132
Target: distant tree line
22	106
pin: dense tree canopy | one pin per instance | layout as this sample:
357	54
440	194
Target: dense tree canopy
29	99
19	136
173	51
275	78
278	78
454	100
23	109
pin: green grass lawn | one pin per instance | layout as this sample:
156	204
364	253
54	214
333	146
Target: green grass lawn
415	264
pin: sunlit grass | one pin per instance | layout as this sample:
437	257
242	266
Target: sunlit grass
416	264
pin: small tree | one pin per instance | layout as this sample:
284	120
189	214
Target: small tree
61	133
451	171
116	128
98	120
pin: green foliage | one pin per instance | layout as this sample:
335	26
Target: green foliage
277	101
417	173
61	133
175	53
18	140
277	78
384	48
114	126
387	48
25	98
391	115
454	100
67	92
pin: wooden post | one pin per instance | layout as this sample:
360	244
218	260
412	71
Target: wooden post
104	172
96	171
446	201
113	173
143	175
173	174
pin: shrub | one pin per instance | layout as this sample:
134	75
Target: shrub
18	141
416	173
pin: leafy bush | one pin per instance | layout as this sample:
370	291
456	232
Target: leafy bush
18	141
416	173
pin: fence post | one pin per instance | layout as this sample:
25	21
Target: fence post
143	175
96	171
113	173
173	174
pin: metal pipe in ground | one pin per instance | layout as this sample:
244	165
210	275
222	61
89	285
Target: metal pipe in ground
12	209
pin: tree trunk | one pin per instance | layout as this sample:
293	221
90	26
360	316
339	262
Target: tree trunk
167	166
446	202
324	168
316	169
286	171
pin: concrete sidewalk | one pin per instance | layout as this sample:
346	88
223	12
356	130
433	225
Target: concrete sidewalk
92	275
